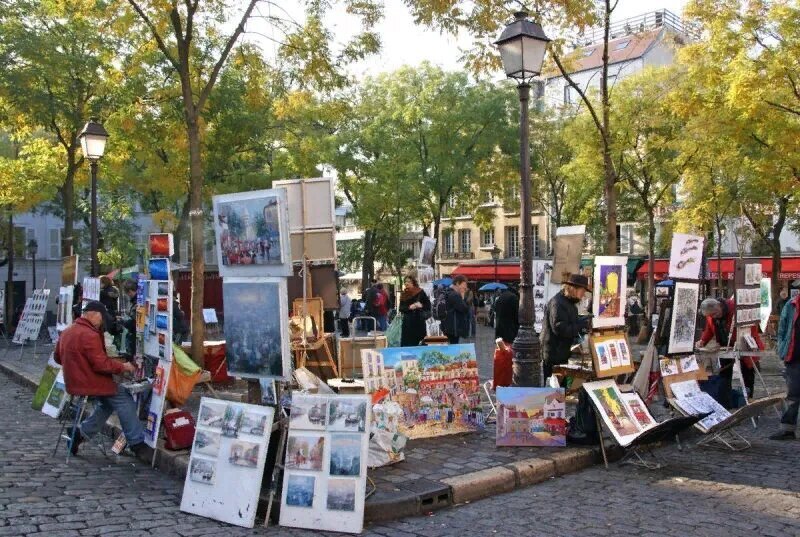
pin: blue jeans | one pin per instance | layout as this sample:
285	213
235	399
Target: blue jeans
123	404
792	374
382	322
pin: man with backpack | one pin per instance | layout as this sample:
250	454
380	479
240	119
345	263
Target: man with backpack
453	312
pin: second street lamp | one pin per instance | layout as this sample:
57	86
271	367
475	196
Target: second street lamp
522	47
33	247
93	143
495	256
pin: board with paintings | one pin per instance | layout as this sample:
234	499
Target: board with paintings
625	415
325	470
611	354
747	298
227	461
681	369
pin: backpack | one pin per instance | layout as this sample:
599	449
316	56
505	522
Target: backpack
440	306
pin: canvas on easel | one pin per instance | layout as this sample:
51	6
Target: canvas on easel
609	292
611	354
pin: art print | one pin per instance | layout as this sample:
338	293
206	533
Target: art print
56	397
639	410
256	331
203	471
308	412
348	415
765	301
252	233
603	356
684	318
341	495
161	245
426	251
345	455
624	352
613	352
211	415
531	417
244	453
268	392
231	421
253	423
608	295
206	443
305	452
686	256
615	413
752	274
300	490
689	364
669	367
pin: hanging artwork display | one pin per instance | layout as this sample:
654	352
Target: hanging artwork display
610	288
684	318
531	417
324	485
686	256
567	251
30	322
64	311
227	461
426	251
90	289
256	329
252	232
611	354
69	270
624	422
437	387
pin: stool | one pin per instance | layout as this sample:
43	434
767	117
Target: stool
77	406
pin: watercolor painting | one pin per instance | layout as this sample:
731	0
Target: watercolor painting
231	421
345	455
300	490
305	452
348	415
308	411
203	471
341	495
244	453
531	417
206	443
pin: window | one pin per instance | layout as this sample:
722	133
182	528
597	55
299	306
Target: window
488	197
624	238
465	240
511	201
568	95
588	52
449	243
535	235
512	241
487	237
621	45
54	243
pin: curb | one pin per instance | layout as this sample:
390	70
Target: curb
427	495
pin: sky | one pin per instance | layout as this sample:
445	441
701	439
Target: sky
404	43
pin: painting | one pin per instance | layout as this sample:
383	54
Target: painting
268	392
56	398
161	245
567	251
341	495
348	415
752	274
608	296
45	383
256	314
437	387
69	270
684	318
689	364
765	301
639	410
252	233
308	412
300	490
686	256
226	469
615	412
345	455
159	269
531	417
668	367
305	452
426	251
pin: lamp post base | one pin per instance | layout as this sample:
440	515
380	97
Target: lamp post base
527	360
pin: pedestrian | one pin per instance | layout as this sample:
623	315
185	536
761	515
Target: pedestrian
109	296
506	309
416	309
788	350
719	314
129	320
345	303
456	321
88	372
180	328
381	307
561	324
783	298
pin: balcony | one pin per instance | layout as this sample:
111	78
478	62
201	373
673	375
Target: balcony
457	255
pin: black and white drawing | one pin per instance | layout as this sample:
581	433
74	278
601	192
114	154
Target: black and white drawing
686	256
684	318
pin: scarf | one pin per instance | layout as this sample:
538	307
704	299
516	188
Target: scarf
408	294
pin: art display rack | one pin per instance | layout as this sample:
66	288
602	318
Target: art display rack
39	297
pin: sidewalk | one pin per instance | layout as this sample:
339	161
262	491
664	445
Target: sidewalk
438	472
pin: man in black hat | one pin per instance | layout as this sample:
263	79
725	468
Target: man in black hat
88	371
561	325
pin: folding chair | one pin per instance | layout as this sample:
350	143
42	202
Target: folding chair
76	406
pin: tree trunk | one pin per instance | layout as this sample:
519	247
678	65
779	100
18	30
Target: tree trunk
437	223
180	231
610	176
197	227
719	257
651	264
368	260
67	191
775	243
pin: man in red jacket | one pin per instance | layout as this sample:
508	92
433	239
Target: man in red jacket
87	371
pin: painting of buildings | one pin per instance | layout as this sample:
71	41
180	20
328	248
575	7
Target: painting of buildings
531	417
437	387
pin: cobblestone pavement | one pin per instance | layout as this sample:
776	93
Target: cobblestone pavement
701	492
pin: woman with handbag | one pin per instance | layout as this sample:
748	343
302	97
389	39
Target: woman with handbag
416	309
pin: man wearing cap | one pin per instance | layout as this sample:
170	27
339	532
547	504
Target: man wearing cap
561	325
87	372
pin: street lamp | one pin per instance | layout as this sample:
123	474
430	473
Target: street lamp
495	256
522	46
33	247
93	143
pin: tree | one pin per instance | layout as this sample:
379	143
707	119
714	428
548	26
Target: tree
193	46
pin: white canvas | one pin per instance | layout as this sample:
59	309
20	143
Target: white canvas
684	317
247	242
686	256
617	415
319	202
426	251
609	291
225	472
256	331
330	498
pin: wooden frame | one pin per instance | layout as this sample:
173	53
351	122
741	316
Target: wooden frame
600	338
315	308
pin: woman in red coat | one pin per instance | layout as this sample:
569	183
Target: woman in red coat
719	314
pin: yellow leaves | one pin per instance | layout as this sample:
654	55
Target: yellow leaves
165	221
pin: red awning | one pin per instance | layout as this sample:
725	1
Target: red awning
480	272
660	270
790	268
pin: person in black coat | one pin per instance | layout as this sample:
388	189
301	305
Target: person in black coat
416	308
561	325
456	323
506	309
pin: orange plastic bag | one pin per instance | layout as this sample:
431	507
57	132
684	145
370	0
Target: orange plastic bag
181	383
503	369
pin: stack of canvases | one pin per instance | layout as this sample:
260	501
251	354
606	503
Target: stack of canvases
154	331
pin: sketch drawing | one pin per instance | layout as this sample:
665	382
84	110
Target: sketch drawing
684	318
686	256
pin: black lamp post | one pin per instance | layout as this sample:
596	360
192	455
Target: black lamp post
495	256
93	143
33	247
522	47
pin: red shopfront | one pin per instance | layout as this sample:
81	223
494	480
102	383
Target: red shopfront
790	269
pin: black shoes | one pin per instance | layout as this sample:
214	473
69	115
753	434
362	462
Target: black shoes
783	435
75	439
140	449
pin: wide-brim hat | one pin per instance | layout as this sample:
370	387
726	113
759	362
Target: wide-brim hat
579	280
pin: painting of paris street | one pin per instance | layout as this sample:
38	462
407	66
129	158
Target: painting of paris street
531	417
255	327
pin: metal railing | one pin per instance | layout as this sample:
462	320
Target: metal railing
662	18
458	255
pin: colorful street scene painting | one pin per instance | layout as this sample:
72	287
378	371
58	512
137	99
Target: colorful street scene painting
608	296
531	417
437	387
249	231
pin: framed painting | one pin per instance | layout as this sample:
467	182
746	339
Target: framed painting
684	318
256	327
531	417
608	294
686	256
611	355
252	232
